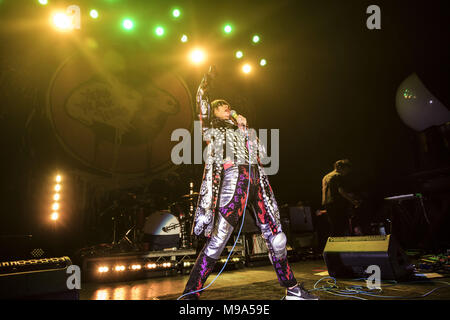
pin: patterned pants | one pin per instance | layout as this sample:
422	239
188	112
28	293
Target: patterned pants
233	194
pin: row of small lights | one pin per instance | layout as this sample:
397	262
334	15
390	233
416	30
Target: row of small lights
137	267
232	259
198	56
56	197
134	267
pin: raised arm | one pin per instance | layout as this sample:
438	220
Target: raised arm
203	102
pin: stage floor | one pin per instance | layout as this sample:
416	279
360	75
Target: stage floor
256	283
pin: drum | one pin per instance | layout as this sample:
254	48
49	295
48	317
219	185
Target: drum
162	230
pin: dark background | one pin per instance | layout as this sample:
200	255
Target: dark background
329	86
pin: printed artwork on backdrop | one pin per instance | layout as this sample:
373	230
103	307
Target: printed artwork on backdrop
115	115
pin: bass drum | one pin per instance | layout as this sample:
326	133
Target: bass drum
161	231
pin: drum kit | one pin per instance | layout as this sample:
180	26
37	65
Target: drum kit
136	221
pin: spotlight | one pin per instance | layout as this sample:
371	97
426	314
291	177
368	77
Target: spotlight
58	178
262	62
136	267
43	2
176	13
55	206
62	22
56	196
227	28
239	54
94	14
246	68
54	216
127	24
184	38
57	187
159	31
197	56
255	38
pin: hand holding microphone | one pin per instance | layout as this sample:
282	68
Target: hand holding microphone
241	121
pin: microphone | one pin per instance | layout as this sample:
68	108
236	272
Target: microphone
234	114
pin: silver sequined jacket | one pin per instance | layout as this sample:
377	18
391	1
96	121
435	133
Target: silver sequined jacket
217	138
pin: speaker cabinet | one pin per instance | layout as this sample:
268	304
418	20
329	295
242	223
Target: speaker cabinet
36	279
349	257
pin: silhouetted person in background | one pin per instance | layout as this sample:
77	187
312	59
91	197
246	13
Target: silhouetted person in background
336	200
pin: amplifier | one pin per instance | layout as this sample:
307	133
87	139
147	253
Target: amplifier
36	279
349	257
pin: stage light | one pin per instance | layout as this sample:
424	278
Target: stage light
239	54
151	265
62	22
246	68
57	187
159	31
103	269
227	28
262	62
127	24
255	38
119	268
94	14
184	38
43	2
55	206
58	178
136	267
56	196
54	216
197	56
176	13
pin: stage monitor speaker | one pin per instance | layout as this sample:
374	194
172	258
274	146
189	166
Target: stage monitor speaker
349	257
36	279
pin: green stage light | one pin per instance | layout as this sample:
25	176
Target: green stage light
262	62
43	2
127	24
184	38
255	38
93	13
176	13
159	31
228	28
239	54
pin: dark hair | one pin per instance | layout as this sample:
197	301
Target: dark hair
341	164
218	103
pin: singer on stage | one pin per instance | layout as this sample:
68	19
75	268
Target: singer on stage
223	194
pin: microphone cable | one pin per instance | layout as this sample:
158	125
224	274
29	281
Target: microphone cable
239	233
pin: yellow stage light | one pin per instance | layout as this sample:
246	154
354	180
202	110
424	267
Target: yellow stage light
57	187
120	268
62	21
197	56
54	216
55	206
246	68
103	269
56	196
